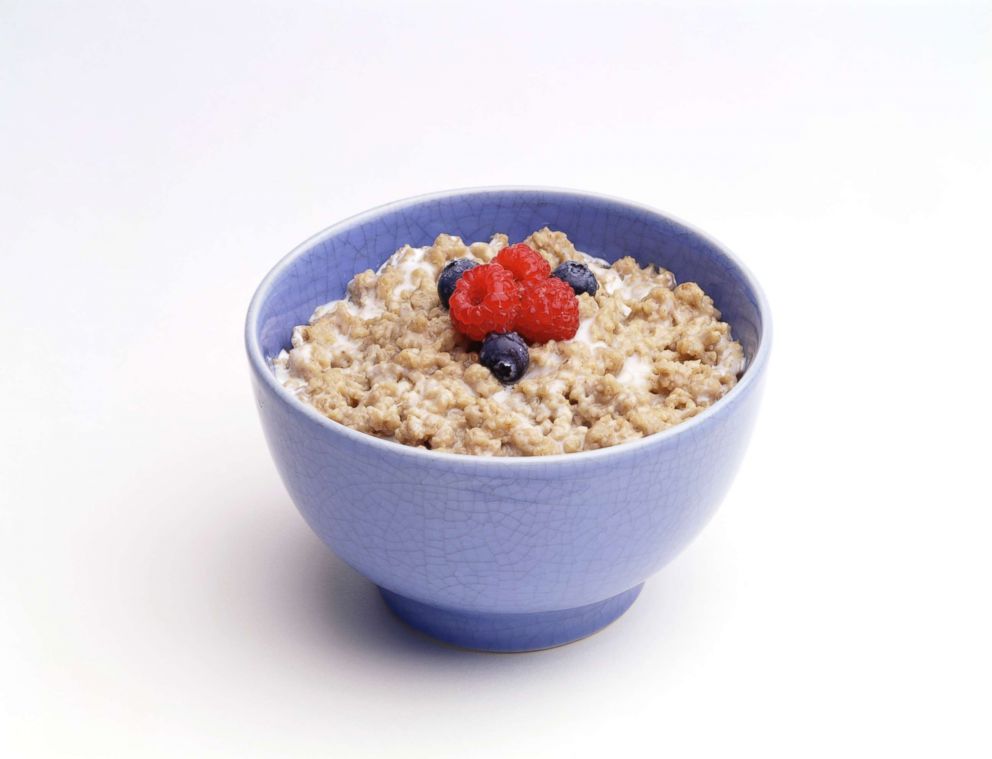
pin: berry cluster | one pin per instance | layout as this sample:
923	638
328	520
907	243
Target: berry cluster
515	298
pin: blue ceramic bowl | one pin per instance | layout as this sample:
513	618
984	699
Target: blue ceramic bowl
505	554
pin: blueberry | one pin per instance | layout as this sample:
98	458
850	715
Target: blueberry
450	275
578	276
505	355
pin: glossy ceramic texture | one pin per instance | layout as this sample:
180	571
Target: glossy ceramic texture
505	554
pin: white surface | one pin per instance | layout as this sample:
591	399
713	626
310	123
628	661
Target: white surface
160	595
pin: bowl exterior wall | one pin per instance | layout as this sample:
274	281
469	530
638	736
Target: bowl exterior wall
518	537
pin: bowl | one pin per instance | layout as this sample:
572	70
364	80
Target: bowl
505	553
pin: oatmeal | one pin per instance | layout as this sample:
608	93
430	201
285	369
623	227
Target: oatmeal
647	354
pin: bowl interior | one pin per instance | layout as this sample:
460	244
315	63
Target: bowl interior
320	269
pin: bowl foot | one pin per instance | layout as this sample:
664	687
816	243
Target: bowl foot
509	633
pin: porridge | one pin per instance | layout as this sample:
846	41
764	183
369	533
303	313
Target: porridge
620	353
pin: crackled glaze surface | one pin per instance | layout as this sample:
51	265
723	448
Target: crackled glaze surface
478	538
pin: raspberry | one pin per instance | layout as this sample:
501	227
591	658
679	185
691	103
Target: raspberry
523	262
486	299
549	310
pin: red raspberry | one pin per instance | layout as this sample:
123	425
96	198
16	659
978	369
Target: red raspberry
486	299
524	262
549	310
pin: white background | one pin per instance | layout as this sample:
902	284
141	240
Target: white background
160	596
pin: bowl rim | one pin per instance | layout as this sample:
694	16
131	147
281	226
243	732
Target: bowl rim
259	363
